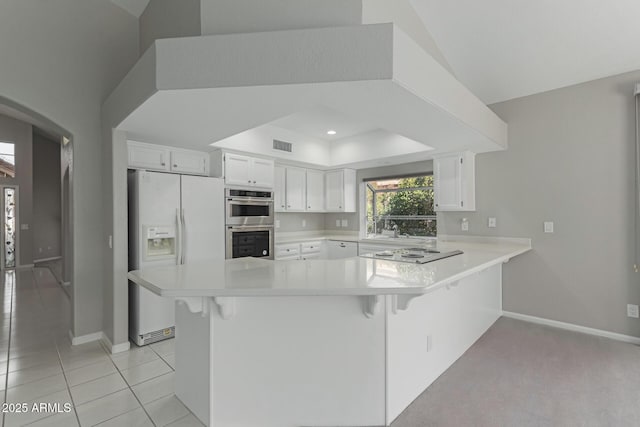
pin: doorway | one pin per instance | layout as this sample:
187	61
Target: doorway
8	230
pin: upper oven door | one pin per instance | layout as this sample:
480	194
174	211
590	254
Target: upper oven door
249	212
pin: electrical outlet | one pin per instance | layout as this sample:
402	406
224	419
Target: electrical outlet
304	223
492	223
548	227
464	225
345	223
337	223
632	310
277	223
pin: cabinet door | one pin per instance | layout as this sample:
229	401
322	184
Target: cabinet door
262	173
334	191
315	191
189	162
148	156
279	188
447	177
296	189
237	170
338	250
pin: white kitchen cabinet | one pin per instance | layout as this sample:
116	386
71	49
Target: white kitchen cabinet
262	172
287	251
341	249
148	156
190	162
454	182
315	191
248	171
168	159
296	189
279	189
340	191
312	250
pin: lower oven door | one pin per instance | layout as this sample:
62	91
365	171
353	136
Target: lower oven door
253	241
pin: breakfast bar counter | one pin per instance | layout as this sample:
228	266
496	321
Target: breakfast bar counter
346	342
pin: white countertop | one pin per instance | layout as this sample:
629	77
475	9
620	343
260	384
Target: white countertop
349	276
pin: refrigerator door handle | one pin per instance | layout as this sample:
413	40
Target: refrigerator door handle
179	238
183	238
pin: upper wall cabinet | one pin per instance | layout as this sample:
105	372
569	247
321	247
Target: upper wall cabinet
247	171
315	191
279	189
340	190
454	182
148	156
168	159
298	190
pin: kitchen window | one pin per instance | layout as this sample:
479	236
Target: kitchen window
400	206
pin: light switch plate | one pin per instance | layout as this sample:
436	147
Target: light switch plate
277	223
345	223
632	310
492	223
548	227
464	225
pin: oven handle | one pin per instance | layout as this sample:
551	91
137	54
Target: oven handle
250	202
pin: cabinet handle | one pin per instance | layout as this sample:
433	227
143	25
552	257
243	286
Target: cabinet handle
254	182
249	181
282	206
162	163
339	207
175	166
288	250
342	245
288	206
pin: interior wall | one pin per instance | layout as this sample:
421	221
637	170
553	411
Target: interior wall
47	209
292	221
571	161
169	18
402	13
20	133
250	16
63	67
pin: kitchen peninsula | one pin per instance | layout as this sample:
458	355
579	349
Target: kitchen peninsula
324	342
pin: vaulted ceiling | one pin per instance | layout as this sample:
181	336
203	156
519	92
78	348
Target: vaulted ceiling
504	49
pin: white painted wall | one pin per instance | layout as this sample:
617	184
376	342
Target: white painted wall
47	224
57	61
402	13
163	19
571	161
250	16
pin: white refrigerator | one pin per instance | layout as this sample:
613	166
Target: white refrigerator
173	219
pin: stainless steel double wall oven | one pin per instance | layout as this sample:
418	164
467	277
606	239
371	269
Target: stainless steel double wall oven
249	223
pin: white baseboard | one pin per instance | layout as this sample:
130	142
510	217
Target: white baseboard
572	327
83	339
23	266
53	258
102	337
118	348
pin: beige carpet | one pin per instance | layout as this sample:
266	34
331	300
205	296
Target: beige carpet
522	374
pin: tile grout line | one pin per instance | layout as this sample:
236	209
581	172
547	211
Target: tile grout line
129	387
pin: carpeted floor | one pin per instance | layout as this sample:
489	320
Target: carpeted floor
523	374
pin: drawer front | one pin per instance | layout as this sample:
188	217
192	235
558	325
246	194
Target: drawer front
283	251
311	247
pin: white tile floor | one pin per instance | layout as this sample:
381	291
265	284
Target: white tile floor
38	364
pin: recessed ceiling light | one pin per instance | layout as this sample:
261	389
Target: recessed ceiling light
331	132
